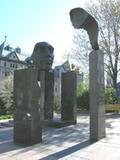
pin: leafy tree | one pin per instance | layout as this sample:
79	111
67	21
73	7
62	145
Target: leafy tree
80	50
7	94
56	105
83	100
110	95
83	95
107	14
2	107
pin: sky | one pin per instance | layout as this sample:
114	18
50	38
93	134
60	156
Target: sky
26	22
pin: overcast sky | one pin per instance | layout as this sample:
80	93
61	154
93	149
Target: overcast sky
26	22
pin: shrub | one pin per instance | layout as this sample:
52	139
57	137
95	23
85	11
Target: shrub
2	107
83	96
83	100
6	117
57	104
7	94
110	96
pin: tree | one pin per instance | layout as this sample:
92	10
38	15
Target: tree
7	94
2	107
83	95
107	14
79	53
110	96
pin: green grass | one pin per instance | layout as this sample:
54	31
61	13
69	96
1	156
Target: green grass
2	117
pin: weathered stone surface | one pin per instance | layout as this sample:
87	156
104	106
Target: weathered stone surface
41	83
49	95
42	60
27	119
97	109
43	56
81	19
46	82
68	98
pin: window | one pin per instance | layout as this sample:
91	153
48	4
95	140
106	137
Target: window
5	74
11	65
16	66
56	89
4	63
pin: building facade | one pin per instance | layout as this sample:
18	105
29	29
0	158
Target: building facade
11	59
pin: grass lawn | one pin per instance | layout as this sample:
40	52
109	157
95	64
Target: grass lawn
6	117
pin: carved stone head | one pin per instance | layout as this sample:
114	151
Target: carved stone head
43	56
82	19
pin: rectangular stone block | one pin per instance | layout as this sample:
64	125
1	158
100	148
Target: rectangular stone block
49	95
68	97
97	109
41	83
27	109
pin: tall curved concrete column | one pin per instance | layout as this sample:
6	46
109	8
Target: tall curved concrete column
81	19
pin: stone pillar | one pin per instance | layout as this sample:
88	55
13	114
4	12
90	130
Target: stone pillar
27	119
68	98
41	82
49	95
97	109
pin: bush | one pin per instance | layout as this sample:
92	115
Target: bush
110	96
57	104
6	117
2	107
83	96
7	94
83	100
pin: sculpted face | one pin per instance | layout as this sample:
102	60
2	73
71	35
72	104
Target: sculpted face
78	16
43	56
82	19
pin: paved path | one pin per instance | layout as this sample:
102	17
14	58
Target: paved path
68	143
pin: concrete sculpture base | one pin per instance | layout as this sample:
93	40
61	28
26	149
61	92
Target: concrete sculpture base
97	108
27	119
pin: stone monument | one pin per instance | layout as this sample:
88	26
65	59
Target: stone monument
81	19
29	96
42	60
27	111
68	102
68	97
43	56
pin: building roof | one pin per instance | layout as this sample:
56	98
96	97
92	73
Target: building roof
21	57
7	52
65	66
2	48
11	60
